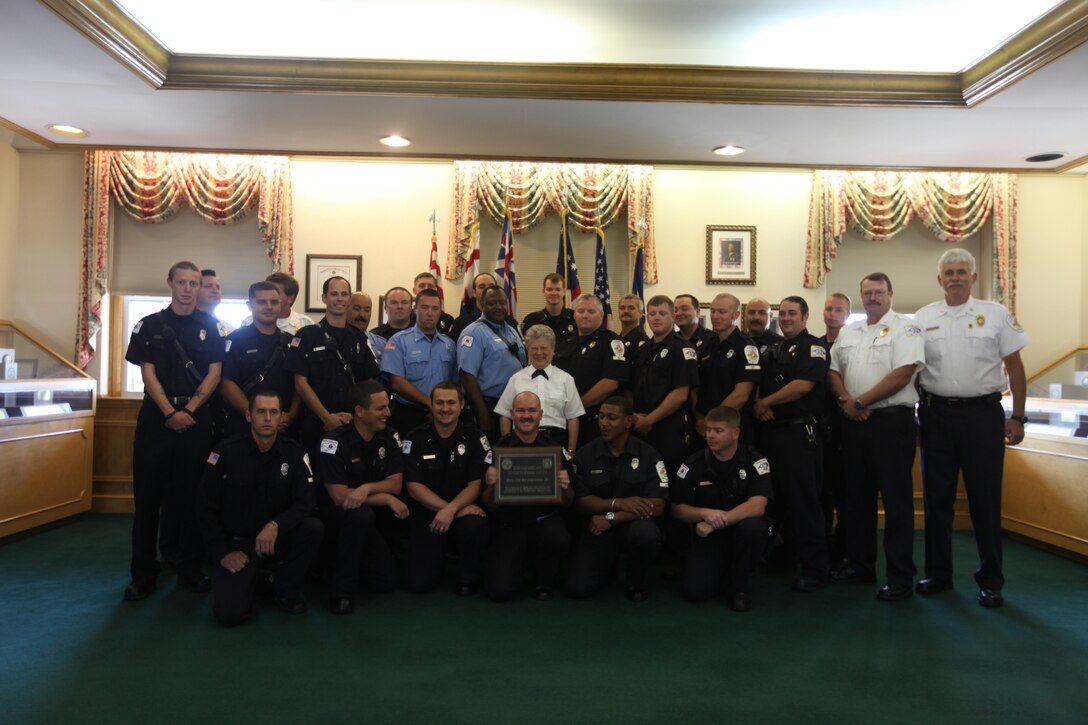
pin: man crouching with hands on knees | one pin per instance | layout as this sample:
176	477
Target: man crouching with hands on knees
724	491
621	486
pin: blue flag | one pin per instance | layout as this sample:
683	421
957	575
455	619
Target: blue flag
564	263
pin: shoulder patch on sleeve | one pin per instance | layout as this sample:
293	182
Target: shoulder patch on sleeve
618	350
466	341
406	447
682	472
817	351
227	348
136	330
1011	321
213	458
485	443
295	341
222	329
762	467
690	353
396	437
662	474
329	445
751	354
487	458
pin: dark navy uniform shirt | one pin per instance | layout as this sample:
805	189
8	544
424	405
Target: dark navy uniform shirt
248	352
589	359
803	357
706	482
633	341
346	459
313	353
723	364
200	335
562	324
660	368
637	471
444	465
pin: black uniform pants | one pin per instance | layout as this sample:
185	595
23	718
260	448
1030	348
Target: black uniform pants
545	542
729	554
971	439
880	458
672	439
166	467
426	550
295	549
588	427
795	451
833	498
595	556
359	552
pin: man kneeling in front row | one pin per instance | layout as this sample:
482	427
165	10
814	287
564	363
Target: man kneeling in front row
723	490
255	504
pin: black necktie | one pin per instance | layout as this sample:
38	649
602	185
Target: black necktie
540	373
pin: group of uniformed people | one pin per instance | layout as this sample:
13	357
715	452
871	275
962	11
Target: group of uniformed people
716	448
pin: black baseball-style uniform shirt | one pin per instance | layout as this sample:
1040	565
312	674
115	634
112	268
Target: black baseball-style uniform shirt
803	357
706	482
444	465
589	359
246	362
562	324
244	488
723	364
637	471
661	367
346	459
200	335
633	341
312	353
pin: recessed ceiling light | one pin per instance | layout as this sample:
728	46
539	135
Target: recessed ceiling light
729	150
65	130
395	141
1039	158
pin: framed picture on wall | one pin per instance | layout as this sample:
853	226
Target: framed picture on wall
730	254
319	267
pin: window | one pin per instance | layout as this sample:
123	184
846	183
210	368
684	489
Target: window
136	307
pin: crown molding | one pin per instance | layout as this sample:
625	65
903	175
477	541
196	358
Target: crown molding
28	134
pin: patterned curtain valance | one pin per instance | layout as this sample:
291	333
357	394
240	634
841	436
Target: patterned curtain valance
153	186
596	195
880	204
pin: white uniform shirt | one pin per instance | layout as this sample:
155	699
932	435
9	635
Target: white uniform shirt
864	354
289	324
965	346
558	395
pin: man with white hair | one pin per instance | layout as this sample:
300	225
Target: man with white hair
972	351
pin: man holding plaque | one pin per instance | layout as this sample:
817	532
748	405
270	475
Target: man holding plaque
521	531
621	486
443	464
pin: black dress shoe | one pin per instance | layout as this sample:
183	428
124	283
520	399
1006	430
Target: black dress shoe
341	605
289	605
991	598
807	584
467	590
196	583
929	586
852	575
136	591
636	595
893	593
741	602
543	593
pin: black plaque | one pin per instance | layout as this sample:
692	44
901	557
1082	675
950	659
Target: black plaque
528	475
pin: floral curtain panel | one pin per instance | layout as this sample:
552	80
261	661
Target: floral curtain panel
880	204
154	186
596	195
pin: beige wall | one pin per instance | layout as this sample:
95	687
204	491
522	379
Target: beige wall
9	222
380	210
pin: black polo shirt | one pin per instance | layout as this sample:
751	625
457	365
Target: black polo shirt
248	354
706	482
700	338
346	459
660	368
243	488
200	335
723	364
637	471
312	353
599	355
444	465
764	341
802	357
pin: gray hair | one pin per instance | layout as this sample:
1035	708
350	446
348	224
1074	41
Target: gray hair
636	298
586	297
956	255
540	332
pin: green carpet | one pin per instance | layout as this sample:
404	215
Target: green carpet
71	651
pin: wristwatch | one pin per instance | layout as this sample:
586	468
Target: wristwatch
1021	419
610	516
858	405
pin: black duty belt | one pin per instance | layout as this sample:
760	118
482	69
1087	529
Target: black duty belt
178	400
931	399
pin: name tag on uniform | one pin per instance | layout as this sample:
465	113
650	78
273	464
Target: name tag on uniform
319	349
429	457
706	483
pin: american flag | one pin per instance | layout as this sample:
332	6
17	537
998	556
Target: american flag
472	265
564	263
504	265
600	280
434	268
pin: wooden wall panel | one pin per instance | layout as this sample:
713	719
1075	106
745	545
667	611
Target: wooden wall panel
115	429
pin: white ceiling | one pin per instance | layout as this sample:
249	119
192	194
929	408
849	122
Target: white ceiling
50	73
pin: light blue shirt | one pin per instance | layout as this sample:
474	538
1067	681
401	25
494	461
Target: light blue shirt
483	351
421	360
